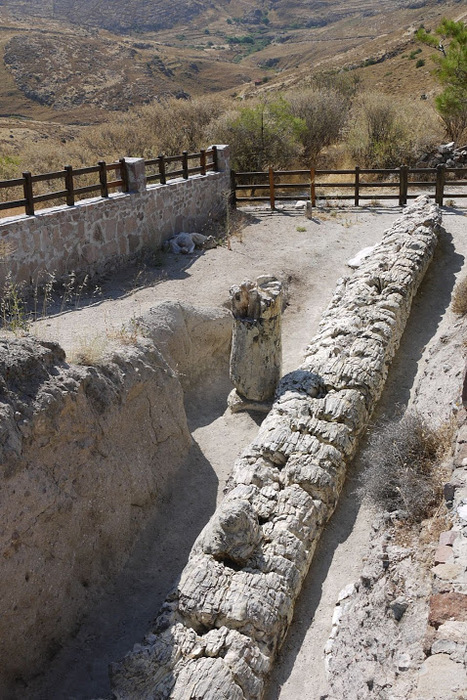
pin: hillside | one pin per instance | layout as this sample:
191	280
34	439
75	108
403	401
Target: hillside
156	15
117	15
74	62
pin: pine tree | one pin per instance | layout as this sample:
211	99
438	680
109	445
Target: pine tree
450	40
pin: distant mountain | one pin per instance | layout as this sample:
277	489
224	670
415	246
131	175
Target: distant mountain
156	15
78	59
115	15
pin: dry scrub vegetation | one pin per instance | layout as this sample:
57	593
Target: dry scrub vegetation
402	466
288	130
459	298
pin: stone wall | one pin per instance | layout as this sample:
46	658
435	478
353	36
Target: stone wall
88	454
97	233
218	632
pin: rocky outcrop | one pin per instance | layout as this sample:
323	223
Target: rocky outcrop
218	632
447	154
88	453
443	672
194	341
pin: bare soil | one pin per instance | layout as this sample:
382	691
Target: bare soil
308	256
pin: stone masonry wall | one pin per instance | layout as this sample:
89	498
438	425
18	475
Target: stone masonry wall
218	632
95	233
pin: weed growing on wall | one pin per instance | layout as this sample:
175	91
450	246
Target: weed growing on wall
13	312
48	288
22	304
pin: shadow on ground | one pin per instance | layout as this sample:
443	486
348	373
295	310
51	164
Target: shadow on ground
428	308
123	615
336	532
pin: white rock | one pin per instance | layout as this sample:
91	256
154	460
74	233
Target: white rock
185	243
337	614
346	592
360	257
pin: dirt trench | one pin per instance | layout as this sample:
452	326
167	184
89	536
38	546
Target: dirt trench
310	262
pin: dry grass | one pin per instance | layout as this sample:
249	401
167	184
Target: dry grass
402	466
90	350
459	298
128	334
386	133
6	249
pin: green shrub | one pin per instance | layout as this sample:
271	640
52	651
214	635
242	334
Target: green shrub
450	41
325	113
265	133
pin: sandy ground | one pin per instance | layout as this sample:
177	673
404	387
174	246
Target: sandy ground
309	256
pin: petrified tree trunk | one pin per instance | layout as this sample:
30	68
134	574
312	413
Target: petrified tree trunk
218	632
255	359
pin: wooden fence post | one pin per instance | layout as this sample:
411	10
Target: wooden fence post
357	186
70	194
271	188
28	194
313	187
440	179
403	184
185	164
215	160
203	161
103	178
162	178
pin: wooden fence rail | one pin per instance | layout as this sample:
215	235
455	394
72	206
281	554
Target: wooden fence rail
69	190
207	161
272	185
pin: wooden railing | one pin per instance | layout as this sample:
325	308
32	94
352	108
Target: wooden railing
273	185
69	192
165	164
70	189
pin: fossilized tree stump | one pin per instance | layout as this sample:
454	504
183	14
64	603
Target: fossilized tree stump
256	355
